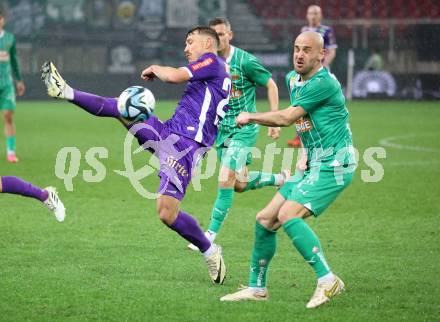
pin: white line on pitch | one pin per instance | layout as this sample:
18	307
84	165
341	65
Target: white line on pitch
387	142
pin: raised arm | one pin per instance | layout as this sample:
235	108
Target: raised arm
166	74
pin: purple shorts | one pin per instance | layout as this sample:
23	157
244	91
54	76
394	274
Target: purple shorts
178	155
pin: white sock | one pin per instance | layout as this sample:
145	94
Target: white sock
279	179
258	289
211	250
211	235
68	92
328	278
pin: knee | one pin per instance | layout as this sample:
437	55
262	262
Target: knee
260	217
240	186
284	217
226	178
264	220
166	214
7	117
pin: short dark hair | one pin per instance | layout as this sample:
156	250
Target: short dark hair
219	21
203	30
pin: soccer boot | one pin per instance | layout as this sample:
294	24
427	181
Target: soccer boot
55	84
12	157
325	291
54	204
216	266
247	294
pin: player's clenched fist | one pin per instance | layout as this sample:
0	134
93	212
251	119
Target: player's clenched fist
148	73
243	118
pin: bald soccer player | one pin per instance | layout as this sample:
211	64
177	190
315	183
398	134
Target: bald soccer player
319	113
314	17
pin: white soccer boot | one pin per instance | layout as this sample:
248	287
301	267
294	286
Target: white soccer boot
54	204
325	291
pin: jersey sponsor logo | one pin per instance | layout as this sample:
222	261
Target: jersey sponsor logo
303	124
235	93
4	55
208	61
173	163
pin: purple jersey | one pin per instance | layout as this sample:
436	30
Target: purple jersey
326	32
204	101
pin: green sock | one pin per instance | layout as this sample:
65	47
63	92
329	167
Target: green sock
221	207
265	246
307	243
10	143
259	180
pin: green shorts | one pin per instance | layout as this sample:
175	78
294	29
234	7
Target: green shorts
319	186
235	150
7	98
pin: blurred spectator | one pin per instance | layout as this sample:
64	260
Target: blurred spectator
375	61
314	17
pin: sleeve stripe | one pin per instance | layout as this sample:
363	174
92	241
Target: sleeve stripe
188	71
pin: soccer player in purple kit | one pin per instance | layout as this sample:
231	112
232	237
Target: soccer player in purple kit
180	141
48	196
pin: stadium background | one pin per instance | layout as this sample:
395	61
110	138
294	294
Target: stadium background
102	45
112	259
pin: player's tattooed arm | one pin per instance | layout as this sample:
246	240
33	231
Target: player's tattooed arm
283	117
165	74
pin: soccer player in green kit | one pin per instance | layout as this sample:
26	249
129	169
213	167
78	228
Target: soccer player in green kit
319	113
234	144
8	60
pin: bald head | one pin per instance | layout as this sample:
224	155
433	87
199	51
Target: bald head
311	37
314	15
308	53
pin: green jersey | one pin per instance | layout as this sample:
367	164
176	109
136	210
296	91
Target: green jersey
8	59
324	131
246	73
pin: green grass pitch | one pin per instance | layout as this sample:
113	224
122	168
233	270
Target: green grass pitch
112	259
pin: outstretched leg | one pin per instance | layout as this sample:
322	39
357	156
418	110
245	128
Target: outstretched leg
48	196
17	186
93	104
228	184
96	105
